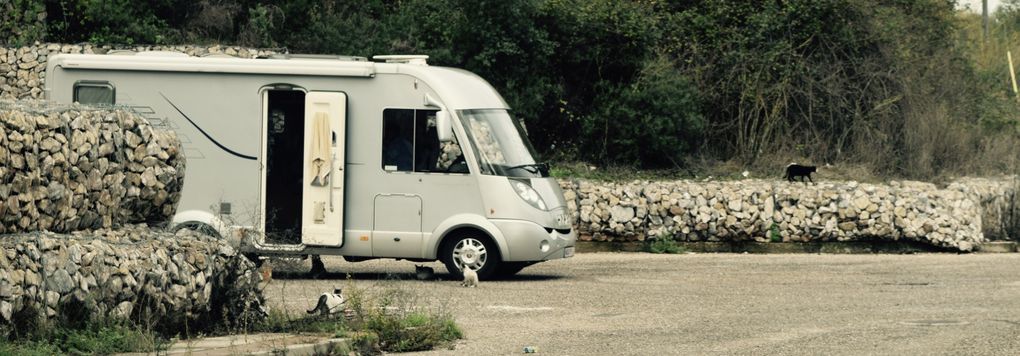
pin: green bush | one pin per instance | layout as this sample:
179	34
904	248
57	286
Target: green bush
398	324
117	21
665	244
29	348
655	122
263	21
414	331
93	337
107	340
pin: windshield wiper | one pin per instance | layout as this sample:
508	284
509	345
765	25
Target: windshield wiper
541	169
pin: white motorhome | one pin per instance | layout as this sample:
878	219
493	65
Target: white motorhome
320	155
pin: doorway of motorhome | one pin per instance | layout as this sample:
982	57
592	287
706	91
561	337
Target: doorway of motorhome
285	129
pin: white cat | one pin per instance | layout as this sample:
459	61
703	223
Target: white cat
470	277
329	303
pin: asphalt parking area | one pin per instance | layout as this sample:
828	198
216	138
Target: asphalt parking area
644	304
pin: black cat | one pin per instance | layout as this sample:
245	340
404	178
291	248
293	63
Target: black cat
795	170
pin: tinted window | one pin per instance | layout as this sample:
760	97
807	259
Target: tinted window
94	93
410	143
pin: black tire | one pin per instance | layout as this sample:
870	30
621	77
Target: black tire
465	248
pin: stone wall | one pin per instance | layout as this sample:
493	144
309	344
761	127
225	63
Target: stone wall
76	167
161	279
760	210
23	69
999	212
91	173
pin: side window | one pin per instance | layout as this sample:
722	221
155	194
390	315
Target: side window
410	143
398	140
94	93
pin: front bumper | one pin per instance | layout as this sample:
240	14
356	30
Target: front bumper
529	242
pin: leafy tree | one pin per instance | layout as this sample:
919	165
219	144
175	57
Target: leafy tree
117	21
656	121
893	85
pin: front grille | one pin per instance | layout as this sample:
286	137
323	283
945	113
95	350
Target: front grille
561	231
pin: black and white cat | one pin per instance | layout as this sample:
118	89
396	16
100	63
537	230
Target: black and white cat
329	303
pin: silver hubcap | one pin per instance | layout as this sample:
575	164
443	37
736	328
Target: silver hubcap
469	252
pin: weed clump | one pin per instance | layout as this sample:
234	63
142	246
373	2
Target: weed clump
665	244
389	322
92	337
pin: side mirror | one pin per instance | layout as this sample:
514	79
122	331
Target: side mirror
444	128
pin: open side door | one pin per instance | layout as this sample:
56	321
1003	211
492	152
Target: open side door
322	212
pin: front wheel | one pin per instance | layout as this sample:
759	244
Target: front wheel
473	250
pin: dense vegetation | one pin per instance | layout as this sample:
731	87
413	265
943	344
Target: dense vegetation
902	87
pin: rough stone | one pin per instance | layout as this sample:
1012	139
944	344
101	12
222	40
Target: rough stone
60	282
123	309
622	213
735	205
6	311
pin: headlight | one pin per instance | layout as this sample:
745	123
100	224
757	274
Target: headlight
528	193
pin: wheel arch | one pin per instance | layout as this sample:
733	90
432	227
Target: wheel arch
465	222
201	217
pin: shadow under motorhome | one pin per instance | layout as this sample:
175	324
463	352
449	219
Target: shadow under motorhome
340	156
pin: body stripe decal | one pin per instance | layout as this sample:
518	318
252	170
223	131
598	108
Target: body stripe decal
221	146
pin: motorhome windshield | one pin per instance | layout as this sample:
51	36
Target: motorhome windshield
501	145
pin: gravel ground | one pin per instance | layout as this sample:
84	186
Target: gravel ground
644	304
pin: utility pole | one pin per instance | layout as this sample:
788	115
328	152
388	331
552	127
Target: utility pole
984	20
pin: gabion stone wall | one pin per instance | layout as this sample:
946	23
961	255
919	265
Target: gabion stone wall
762	210
23	69
162	279
997	197
76	167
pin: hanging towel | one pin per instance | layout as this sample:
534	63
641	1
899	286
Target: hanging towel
320	157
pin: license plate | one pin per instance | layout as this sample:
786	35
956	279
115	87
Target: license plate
568	252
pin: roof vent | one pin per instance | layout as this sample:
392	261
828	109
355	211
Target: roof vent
415	59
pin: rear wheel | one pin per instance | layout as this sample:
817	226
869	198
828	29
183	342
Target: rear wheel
470	249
